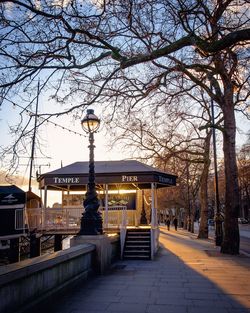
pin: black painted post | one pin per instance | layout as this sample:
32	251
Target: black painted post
91	221
14	253
58	242
35	245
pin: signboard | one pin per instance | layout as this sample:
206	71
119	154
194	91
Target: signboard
108	179
66	180
167	180
11	195
123	199
124	179
73	200
114	200
128	173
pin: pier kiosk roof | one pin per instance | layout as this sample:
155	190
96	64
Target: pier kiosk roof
127	174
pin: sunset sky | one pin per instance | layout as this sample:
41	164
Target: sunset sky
69	145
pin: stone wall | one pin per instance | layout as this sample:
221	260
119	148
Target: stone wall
25	283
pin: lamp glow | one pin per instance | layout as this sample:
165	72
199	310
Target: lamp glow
90	123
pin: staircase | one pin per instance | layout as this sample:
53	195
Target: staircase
137	244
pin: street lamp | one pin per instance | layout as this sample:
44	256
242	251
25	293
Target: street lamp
91	221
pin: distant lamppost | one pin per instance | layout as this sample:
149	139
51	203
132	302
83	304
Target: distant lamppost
91	221
143	219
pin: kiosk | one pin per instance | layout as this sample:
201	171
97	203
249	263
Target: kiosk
120	185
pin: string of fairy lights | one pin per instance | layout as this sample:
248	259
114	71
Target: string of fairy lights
42	119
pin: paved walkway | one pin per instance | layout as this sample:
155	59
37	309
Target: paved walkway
187	276
243	228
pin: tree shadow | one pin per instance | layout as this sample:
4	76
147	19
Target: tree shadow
214	279
182	278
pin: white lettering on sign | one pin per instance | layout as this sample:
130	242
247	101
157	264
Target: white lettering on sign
66	180
9	199
129	178
165	180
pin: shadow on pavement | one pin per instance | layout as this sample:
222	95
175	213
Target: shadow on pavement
183	278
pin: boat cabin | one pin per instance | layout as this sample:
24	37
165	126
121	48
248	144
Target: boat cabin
12	211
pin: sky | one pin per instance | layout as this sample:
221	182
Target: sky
64	147
60	146
69	145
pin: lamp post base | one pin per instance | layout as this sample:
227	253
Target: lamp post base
91	224
102	257
143	220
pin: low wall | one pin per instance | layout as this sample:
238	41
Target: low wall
25	283
115	246
107	249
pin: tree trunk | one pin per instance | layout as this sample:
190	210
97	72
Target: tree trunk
231	240
203	228
192	216
185	224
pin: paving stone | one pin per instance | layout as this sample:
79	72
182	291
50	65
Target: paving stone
201	295
183	278
127	307
153	308
136	299
206	309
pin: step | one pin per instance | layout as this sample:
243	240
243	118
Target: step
130	248
138	236
145	257
138	232
135	253
137	246
138	229
137	241
139	250
136	249
133	242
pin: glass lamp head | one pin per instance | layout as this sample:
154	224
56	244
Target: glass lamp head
90	123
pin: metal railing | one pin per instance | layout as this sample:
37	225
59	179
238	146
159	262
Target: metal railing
70	217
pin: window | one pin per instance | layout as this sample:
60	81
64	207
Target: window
19	219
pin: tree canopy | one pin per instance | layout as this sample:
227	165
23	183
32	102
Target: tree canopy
125	54
88	49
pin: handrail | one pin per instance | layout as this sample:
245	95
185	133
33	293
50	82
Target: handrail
68	217
123	230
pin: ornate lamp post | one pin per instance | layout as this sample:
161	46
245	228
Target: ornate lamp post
91	221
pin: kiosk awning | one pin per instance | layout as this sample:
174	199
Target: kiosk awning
128	173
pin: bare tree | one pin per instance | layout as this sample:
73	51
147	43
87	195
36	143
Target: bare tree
175	145
116	51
